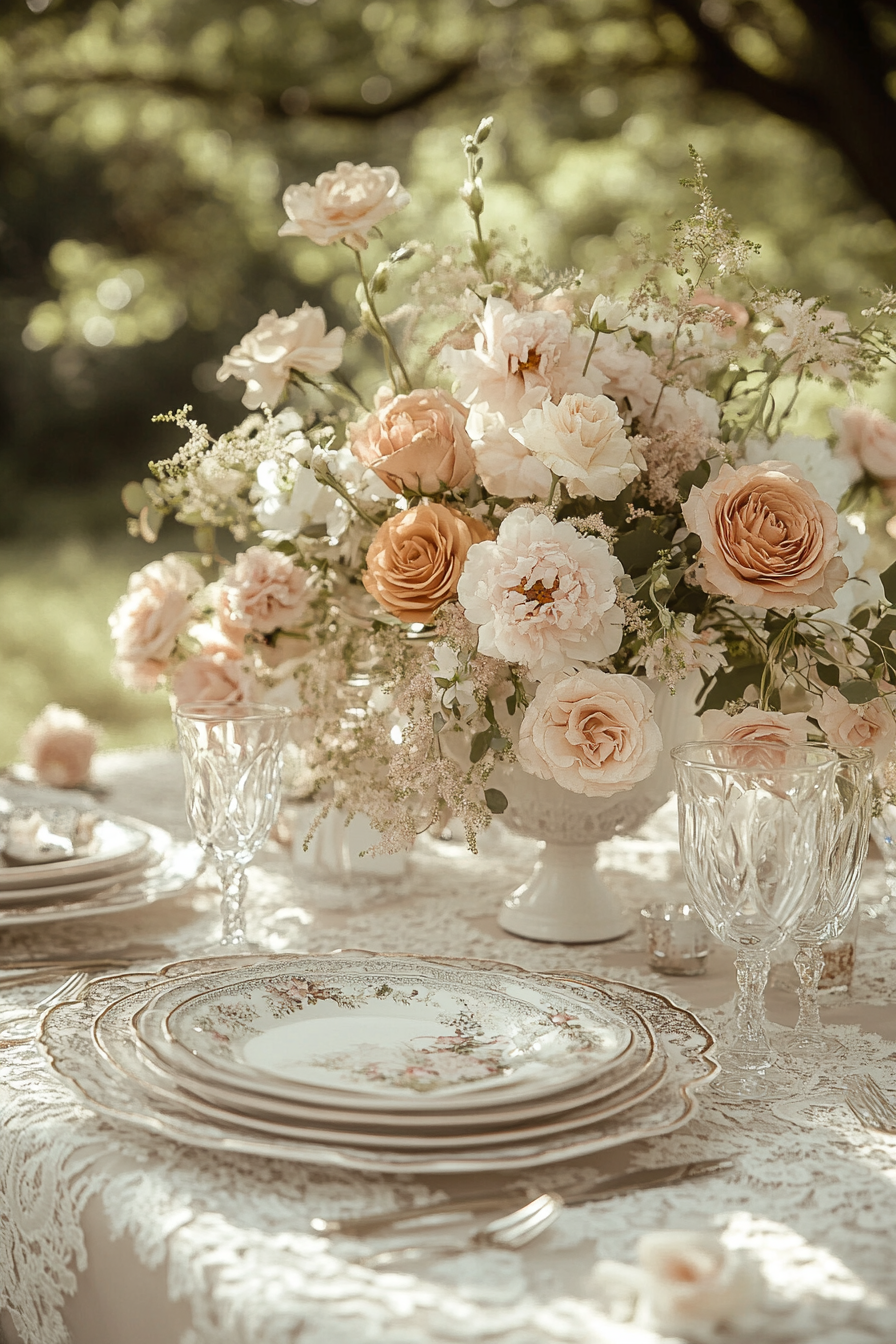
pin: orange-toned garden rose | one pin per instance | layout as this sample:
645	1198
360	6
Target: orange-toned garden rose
417	442
769	539
415	560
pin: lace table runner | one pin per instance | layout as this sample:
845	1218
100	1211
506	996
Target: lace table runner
811	1197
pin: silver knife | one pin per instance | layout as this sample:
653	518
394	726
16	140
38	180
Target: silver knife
603	1188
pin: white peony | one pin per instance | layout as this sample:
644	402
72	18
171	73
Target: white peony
504	463
268	353
583	441
520	358
542	595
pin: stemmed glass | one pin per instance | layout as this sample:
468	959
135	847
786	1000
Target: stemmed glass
851	804
754	830
232	758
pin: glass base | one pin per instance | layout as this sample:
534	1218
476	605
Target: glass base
800	1048
766	1083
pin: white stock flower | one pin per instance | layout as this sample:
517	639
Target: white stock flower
519	358
503	462
447	666
290	499
266	354
831	476
344	203
583	441
542	595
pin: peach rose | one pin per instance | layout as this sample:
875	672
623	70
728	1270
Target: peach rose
767	730
148	619
415	560
416	442
769	539
592	732
264	591
849	726
215	680
59	747
344	203
869	437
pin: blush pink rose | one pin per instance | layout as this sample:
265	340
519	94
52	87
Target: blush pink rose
849	726
767	731
147	621
769	539
416	442
345	203
59	747
869	437
592	732
264	591
211	680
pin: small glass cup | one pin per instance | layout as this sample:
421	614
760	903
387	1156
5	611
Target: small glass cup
677	938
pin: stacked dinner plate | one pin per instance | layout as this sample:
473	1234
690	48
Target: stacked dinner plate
387	1063
117	864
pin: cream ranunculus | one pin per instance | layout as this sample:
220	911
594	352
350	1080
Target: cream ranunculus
416	442
869	437
147	621
593	732
583	441
769	539
849	726
59	747
266	355
415	560
542	595
344	203
264	591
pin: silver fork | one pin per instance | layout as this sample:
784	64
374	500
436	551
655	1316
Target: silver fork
18	1025
509	1233
871	1106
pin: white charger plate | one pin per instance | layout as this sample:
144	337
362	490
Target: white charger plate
116	844
70	891
295	1103
413	1036
65	1041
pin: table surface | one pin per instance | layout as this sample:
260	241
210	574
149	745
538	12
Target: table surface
110	1234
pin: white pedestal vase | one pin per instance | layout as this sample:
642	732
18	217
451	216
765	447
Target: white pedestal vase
566	900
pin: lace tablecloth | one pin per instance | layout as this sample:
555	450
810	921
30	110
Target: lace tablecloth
109	1235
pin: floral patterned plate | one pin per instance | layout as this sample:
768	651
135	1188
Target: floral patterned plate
168	1065
419	1035
68	1045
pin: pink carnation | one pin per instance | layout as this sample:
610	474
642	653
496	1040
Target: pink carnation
214	680
147	621
264	591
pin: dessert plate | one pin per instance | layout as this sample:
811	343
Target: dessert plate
409	1035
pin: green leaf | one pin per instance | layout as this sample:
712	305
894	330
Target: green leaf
638	549
860	692
888	579
438	722
443	682
699	476
495	801
828	673
480	745
860	619
644	341
731	685
134	497
511	704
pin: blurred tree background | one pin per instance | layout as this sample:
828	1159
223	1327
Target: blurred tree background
145	144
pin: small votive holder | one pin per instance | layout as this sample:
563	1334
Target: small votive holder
677	938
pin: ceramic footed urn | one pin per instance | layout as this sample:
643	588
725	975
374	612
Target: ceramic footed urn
566	899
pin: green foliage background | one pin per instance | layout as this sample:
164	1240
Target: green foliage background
144	147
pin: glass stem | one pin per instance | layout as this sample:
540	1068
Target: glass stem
809	963
233	891
750	1045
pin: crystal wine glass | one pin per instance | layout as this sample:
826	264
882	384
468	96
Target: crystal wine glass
851	804
754	829
232	758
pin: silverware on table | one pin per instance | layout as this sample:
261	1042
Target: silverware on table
601	1188
15	1022
869	1104
509	1233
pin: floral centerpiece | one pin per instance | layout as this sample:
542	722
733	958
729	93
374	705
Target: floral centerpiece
563	496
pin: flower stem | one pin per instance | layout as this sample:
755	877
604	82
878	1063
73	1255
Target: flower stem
390	352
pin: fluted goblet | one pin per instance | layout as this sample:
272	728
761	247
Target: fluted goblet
754	830
851	803
232	758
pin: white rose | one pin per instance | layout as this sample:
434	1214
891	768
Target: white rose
266	355
583	441
345	203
